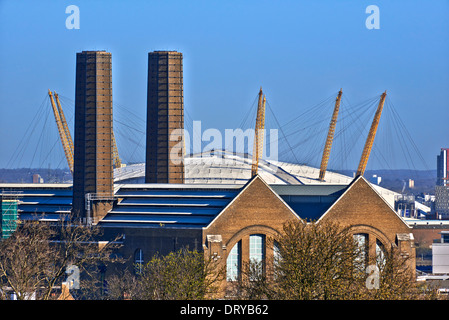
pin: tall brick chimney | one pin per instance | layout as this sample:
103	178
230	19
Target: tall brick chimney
165	118
93	154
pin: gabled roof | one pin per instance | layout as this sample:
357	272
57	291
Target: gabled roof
247	186
348	189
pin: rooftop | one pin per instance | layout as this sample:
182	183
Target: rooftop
212	180
224	167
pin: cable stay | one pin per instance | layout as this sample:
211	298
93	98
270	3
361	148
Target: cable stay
309	138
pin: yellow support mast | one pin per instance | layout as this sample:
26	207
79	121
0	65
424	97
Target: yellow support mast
65	126
62	134
117	161
67	141
330	137
371	135
259	133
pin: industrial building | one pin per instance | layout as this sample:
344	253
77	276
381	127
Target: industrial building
220	202
215	218
225	167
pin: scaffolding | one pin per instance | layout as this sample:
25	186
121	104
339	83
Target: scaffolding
9	213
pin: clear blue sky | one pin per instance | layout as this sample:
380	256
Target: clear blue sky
300	52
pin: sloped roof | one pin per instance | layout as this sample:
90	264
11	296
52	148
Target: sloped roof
40	201
168	206
196	206
191	205
224	167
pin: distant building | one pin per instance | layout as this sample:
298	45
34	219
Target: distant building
37	178
404	205
9	204
442	187
442	202
443	168
440	254
375	179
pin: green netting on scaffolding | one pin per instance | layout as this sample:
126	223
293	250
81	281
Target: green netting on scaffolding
8	218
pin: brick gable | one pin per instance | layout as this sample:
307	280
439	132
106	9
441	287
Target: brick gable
255	207
361	205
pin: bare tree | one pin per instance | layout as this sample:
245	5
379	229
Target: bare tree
34	260
396	280
316	261
321	261
124	285
256	282
24	260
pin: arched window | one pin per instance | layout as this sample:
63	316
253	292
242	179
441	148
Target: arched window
138	261
257	247
276	258
380	254
276	251
257	252
361	242
233	262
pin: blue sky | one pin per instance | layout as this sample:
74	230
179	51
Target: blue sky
300	52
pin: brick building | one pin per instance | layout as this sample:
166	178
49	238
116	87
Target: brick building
227	222
232	223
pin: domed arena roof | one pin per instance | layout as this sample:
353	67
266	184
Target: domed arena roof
221	167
